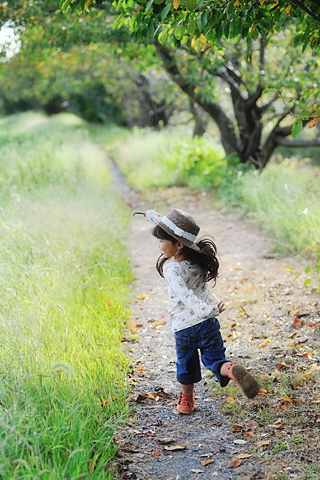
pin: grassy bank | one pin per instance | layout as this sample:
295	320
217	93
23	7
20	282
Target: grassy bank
64	276
284	198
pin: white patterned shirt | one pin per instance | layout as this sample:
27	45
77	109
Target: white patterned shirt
190	299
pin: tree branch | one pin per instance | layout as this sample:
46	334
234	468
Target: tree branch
306	9
298	143
225	125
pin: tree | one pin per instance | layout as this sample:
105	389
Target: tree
63	64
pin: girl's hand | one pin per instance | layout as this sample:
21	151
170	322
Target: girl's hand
221	307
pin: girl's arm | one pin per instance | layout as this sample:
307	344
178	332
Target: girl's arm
194	304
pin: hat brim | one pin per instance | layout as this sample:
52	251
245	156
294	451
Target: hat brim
184	241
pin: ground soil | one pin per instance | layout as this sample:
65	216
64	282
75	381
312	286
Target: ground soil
279	429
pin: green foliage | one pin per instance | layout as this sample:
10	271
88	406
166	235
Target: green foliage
285	200
151	160
65	277
209	20
193	162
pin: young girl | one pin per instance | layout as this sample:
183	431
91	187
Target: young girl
188	266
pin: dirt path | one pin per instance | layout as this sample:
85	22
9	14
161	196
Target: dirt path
262	301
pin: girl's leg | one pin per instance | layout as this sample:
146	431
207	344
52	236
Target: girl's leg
242	377
188	389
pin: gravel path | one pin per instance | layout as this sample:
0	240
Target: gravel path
159	443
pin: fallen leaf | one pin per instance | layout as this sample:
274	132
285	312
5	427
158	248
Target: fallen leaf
252	424
175	447
230	399
144	296
239	442
263	443
244	455
248	433
304	375
207	462
133	330
296	322
262	345
156	453
142	369
133	323
263	390
294	335
165	441
160	323
287	399
234	463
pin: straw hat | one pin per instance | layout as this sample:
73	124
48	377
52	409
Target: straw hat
177	223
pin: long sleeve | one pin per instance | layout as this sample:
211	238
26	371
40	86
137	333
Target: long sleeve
188	298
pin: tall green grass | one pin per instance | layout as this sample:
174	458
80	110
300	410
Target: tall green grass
159	159
64	279
285	199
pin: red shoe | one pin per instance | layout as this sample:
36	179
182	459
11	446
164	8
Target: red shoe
185	403
244	379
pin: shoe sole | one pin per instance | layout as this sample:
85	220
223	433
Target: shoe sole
184	413
245	380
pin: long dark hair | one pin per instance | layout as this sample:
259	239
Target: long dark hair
205	258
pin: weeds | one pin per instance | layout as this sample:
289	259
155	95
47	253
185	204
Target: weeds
64	278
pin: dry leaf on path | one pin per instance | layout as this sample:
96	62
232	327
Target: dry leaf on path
230	399
287	399
239	442
244	455
175	447
263	443
207	462
304	375
234	463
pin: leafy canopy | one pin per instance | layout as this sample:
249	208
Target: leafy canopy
187	21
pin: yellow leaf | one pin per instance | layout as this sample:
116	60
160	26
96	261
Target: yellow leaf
176	4
314	366
133	330
313	122
263	390
267	340
237	3
304	375
203	39
193	42
160	323
287	399
253	29
288	10
230	399
244	455
144	296
207	462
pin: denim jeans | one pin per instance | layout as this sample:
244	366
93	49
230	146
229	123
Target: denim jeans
206	337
